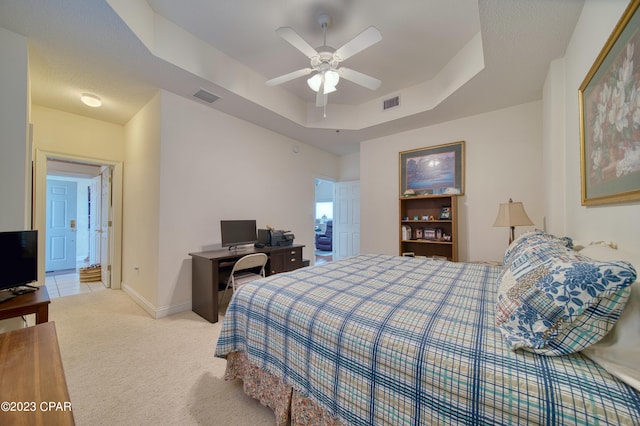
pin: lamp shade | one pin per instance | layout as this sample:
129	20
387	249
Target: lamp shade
512	214
314	82
331	79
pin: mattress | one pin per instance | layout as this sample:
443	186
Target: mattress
389	340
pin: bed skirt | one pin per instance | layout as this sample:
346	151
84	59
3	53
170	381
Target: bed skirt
272	392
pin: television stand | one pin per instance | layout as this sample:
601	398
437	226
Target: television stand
6	295
36	302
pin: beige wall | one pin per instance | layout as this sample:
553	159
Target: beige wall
503	160
610	222
64	133
141	204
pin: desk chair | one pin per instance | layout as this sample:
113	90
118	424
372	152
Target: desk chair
240	274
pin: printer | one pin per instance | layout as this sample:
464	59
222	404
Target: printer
280	238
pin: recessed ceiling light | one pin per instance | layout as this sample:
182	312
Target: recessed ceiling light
91	100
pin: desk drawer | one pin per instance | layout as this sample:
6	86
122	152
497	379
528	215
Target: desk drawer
285	260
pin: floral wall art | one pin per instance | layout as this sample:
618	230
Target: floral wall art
610	117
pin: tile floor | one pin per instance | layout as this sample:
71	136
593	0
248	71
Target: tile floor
60	285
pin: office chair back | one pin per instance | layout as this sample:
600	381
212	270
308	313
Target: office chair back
250	261
240	274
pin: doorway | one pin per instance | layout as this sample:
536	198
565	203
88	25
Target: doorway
97	226
74	225
323	240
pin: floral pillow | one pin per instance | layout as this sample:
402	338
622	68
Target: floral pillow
554	301
532	248
531	239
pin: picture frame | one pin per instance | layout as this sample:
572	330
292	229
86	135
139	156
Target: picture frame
429	233
445	213
610	117
433	170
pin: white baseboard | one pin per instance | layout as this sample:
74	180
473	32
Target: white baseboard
165	311
151	309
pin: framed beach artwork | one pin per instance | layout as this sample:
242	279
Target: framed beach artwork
433	170
609	100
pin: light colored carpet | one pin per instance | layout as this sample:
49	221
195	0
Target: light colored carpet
125	368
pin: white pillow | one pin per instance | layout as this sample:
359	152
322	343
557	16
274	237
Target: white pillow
619	351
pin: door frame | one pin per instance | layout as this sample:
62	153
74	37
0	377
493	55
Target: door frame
40	215
333	181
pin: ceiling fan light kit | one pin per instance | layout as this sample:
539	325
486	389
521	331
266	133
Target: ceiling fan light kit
329	78
325	60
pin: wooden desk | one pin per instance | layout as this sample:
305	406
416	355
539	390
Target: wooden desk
32	379
207	265
36	302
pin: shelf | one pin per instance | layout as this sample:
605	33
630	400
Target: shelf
428	221
430	196
427	242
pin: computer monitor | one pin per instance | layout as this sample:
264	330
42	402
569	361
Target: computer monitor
238	232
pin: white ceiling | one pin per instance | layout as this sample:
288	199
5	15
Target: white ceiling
80	46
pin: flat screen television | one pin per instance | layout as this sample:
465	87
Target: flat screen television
18	258
238	232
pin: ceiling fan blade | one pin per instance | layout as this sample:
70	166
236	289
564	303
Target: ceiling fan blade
357	77
296	41
286	77
367	38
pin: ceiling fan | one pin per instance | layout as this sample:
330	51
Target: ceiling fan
325	61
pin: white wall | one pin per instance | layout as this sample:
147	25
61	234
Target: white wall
209	166
553	148
14	182
611	222
350	167
503	160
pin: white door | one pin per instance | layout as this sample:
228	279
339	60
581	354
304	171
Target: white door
60	234
105	226
95	196
346	219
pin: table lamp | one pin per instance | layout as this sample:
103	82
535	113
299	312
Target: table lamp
512	214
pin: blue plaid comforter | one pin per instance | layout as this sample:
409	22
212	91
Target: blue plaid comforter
387	340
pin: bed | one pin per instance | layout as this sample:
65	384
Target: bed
389	340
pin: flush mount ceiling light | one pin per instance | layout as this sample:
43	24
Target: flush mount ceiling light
325	61
91	100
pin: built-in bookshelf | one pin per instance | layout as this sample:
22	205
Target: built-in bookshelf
429	226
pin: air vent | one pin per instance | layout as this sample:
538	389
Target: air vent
203	95
391	103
